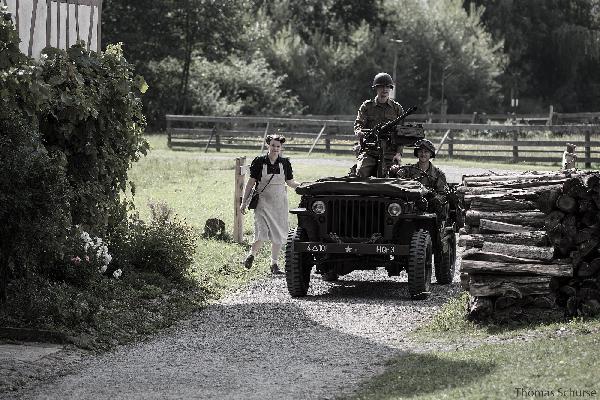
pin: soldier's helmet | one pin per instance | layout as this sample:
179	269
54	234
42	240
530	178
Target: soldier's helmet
383	79
424	144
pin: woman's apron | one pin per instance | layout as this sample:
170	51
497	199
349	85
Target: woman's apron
271	213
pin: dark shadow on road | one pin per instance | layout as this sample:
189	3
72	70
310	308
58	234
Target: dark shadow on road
416	374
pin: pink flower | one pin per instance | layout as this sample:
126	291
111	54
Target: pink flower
76	260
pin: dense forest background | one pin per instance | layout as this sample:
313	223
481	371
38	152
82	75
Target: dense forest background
283	57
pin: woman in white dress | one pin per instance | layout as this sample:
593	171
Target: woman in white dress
273	173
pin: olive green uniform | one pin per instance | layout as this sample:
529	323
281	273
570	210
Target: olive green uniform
370	114
434	179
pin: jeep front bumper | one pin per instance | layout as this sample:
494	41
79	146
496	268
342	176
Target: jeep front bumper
351	248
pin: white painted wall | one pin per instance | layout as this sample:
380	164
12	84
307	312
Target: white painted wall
62	13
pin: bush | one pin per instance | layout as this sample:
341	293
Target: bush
94	118
233	87
165	245
84	261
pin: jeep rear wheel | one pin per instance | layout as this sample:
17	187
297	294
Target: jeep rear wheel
445	267
297	265
419	265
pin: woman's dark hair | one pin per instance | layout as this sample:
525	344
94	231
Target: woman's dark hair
279	138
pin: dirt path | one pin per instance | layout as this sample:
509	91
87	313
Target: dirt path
259	343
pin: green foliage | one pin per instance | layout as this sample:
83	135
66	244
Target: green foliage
463	56
232	87
34	197
84	260
554	51
108	313
34	191
94	118
165	245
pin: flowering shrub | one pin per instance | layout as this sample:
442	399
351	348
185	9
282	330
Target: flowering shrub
86	259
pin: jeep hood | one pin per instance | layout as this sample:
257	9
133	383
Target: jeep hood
389	187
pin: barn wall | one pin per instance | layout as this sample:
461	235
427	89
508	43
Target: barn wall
56	23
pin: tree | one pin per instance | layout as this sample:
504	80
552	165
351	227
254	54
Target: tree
465	61
553	48
154	30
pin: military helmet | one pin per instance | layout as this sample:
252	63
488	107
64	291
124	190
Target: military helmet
383	79
425	144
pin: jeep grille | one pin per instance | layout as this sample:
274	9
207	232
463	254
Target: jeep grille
355	218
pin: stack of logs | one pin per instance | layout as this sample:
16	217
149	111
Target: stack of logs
531	244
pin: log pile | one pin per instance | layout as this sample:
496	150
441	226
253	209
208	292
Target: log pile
532	244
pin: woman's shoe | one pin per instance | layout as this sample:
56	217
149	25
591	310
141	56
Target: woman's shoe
248	261
275	269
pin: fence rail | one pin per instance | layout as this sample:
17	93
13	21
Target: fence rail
331	134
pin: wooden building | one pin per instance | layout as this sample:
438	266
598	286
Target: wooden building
56	23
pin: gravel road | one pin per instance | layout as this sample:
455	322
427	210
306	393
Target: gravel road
259	343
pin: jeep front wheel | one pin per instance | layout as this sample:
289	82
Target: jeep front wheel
419	265
297	265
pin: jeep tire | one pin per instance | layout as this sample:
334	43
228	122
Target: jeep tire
446	265
419	265
297	265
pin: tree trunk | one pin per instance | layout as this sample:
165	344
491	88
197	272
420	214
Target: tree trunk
527	218
554	269
486	226
509	286
535	238
521	251
501	204
502	189
566	204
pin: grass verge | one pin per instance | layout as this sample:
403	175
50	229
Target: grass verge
558	359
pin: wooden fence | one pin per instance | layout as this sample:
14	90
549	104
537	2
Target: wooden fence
486	142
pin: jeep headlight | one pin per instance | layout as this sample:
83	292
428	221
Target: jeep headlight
318	207
394	209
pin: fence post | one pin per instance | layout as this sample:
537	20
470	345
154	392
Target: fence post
588	150
217	138
238	217
327	143
168	130
515	151
450	144
317	138
264	141
550	115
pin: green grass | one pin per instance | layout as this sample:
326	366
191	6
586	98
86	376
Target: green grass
492	371
199	186
491	361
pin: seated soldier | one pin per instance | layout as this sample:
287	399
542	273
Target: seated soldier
428	174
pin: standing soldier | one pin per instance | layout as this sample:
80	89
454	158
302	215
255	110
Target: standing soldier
372	112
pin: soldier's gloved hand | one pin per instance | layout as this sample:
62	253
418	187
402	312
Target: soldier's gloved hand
394	170
360	134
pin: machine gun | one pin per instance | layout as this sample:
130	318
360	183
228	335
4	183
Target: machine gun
390	134
372	137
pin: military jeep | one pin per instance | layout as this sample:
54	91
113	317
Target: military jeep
350	223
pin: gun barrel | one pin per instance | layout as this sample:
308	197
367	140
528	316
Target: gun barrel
396	121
